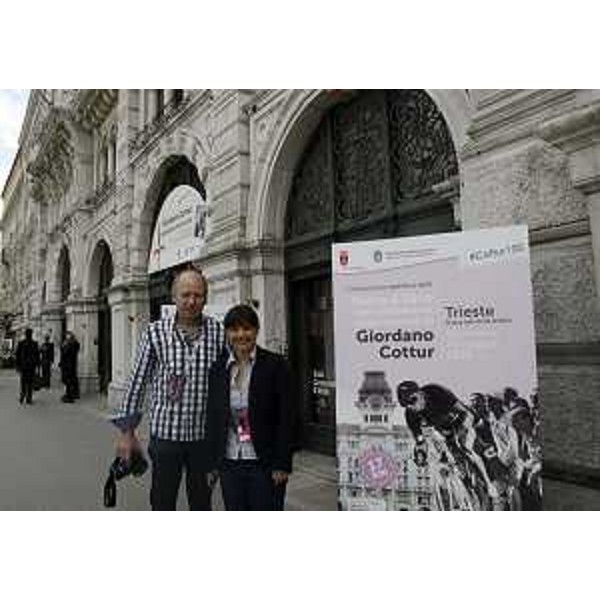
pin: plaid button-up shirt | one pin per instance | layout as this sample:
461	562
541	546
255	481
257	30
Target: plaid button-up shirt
178	374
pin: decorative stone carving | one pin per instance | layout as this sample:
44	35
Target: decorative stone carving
531	185
563	283
92	107
52	170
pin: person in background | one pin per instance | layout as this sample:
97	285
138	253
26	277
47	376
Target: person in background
69	351
47	360
249	418
27	360
174	358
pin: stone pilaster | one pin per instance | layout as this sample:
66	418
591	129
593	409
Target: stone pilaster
129	311
52	317
578	135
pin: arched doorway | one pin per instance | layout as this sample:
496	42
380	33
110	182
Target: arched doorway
380	164
64	286
176	171
105	277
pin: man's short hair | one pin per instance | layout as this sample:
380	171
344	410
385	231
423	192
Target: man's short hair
188	269
242	314
28	332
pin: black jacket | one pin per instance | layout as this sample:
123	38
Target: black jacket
27	357
269	407
68	358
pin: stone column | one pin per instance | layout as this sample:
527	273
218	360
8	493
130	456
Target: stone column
142	112
129	311
151	106
268	295
52	317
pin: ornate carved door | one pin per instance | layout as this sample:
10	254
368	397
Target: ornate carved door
381	164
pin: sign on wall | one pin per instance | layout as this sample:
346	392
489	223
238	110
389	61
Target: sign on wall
437	403
180	229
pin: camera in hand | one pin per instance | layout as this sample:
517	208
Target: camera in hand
120	468
136	466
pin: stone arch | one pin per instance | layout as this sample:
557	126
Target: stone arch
300	115
64	275
180	144
99	249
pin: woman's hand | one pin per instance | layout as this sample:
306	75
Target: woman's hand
280	477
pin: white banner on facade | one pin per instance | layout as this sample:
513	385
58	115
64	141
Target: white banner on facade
437	405
180	229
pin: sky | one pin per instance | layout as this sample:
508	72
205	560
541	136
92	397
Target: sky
12	112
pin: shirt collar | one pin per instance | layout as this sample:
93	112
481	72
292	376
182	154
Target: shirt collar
171	324
231	358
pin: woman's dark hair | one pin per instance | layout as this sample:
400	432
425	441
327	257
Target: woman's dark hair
242	314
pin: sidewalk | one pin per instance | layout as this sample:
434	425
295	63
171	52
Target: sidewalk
312	486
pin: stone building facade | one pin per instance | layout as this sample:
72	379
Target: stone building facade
285	173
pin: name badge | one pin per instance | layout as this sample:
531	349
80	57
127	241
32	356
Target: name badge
175	385
242	425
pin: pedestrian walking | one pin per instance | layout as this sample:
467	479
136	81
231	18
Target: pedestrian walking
69	351
250	418
27	360
174	357
47	360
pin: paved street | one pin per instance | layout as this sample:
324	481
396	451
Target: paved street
55	456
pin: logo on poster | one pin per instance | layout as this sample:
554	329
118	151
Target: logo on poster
378	256
344	257
377	468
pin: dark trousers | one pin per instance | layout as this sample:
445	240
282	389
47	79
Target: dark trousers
26	387
169	459
46	374
246	485
71	387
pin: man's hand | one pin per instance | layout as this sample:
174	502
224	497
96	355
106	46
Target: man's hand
127	443
279	477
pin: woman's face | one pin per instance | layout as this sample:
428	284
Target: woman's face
242	338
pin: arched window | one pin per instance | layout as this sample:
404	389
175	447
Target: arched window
160	103
177	97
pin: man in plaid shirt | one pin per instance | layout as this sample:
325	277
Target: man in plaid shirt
174	357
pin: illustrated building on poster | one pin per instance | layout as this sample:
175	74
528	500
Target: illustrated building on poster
375	455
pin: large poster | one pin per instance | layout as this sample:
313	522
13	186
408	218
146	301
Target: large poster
436	386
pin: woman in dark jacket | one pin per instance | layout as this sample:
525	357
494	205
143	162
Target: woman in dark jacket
249	425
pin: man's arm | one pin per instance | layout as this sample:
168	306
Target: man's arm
130	412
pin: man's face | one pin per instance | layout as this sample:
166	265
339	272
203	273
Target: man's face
417	401
242	338
190	295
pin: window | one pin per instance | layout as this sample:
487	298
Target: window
160	102
177	97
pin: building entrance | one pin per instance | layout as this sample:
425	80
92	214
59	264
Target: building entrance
380	164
